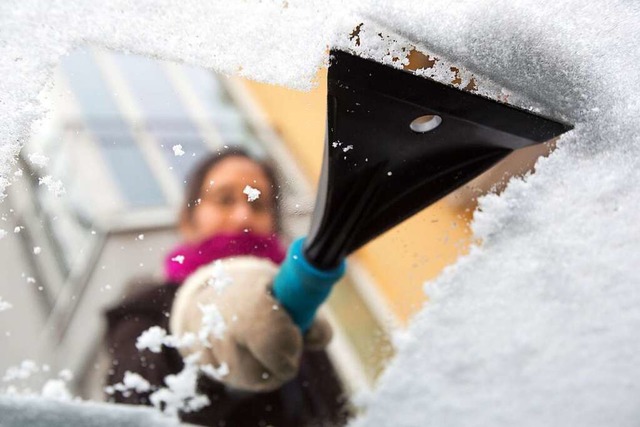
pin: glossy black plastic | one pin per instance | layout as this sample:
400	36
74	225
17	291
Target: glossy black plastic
378	172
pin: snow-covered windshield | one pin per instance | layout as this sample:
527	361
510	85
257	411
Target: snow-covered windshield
537	325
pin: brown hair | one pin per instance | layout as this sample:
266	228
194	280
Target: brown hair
199	173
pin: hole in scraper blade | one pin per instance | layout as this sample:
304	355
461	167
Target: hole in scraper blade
426	123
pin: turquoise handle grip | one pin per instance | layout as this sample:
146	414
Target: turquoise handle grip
301	288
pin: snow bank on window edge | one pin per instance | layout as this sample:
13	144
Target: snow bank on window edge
20	411
537	326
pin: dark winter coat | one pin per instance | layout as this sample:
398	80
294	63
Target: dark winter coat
314	397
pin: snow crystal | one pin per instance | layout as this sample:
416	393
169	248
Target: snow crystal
177	150
53	185
38	160
56	389
37	250
4	305
140	236
17	229
178	258
252	193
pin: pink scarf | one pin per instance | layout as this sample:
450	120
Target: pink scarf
186	258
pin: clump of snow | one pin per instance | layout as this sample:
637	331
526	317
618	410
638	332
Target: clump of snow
212	323
186	340
180	394
3	234
55	186
178	258
56	389
152	339
131	382
216	373
65	375
53	388
177	150
155	337
26	368
219	279
37	250
4	305
38	159
135	382
252	193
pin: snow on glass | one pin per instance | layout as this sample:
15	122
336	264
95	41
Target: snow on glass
218	279
52	388
132	381
55	186
38	159
155	337
180	393
213	323
4	305
252	193
542	314
24	370
177	150
178	258
56	389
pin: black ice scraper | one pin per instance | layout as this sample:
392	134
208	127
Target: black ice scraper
395	143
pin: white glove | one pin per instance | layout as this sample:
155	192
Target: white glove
228	304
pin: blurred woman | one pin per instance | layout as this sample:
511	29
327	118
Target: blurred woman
253	364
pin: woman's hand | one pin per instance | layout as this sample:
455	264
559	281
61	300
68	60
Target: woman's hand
228	305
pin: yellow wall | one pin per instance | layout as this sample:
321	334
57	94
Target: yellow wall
299	118
402	259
